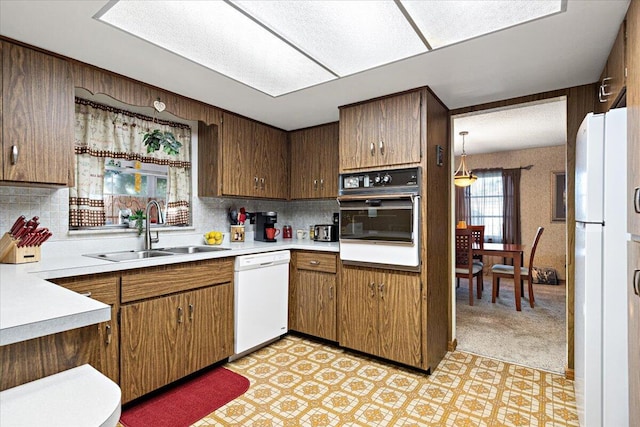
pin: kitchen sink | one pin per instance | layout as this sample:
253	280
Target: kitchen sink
193	249
130	255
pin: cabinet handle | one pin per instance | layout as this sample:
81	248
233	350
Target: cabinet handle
372	149
314	262
108	331
255	182
372	286
191	310
321	184
601	97
180	315
14	154
604	85
636	282
315	185
262	183
330	292
381	289
382	147
86	294
636	200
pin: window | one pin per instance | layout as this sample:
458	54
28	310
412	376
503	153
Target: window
128	187
486	202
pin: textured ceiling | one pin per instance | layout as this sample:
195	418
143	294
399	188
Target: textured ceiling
530	125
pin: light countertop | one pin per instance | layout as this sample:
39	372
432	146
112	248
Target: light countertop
32	307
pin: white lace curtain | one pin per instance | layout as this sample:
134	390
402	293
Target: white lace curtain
105	132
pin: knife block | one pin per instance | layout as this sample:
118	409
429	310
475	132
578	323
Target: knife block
10	253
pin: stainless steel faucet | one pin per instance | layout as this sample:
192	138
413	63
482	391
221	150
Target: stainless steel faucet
147	237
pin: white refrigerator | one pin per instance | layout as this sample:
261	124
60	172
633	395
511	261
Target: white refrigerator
601	382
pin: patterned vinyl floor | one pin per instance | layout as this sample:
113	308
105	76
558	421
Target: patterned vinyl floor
299	382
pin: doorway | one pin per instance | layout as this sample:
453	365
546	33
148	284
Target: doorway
530	136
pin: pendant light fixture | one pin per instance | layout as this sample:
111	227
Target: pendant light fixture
463	177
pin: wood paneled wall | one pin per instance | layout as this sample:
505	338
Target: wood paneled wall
580	101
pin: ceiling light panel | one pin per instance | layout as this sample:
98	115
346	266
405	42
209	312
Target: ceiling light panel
219	37
447	22
345	36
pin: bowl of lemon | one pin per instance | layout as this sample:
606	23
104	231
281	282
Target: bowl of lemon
214	237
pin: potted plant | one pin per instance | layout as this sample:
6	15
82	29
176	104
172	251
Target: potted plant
157	139
137	218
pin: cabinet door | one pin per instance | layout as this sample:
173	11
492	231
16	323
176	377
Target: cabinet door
399	141
239	177
272	165
209	163
316	304
304	164
634	331
359	310
399	317
209	315
150	345
327	159
359	131
314	162
38	115
103	288
33	359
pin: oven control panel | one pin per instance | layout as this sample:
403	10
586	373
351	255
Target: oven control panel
392	180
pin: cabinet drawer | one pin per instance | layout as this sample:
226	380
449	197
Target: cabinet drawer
101	288
157	281
316	261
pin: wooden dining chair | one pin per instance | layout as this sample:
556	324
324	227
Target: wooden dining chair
465	268
506	271
477	231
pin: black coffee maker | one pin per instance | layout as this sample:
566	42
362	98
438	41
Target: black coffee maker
265	220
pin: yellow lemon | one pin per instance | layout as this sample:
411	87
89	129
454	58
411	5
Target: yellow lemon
211	241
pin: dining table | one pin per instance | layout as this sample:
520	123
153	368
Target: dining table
505	250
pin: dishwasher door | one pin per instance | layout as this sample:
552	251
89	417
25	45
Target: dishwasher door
261	298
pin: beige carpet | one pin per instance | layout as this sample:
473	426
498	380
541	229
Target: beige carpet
533	337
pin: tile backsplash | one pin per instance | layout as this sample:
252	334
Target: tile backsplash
52	206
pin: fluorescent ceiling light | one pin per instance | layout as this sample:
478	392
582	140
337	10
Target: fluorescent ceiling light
278	47
447	22
219	37
345	36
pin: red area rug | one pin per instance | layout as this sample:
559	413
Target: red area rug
188	402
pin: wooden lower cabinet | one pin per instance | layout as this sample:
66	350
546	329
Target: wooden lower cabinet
33	359
103	288
97	345
167	338
314	290
381	313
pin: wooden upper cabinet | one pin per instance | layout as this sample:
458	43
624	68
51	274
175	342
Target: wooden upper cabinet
613	80
208	160
254	159
273	165
381	133
37	117
314	162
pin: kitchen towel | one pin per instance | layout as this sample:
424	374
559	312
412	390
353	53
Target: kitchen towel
188	402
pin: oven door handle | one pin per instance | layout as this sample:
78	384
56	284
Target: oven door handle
373	202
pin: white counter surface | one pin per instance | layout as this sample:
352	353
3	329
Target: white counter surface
32	307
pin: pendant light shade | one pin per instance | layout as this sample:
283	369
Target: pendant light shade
463	177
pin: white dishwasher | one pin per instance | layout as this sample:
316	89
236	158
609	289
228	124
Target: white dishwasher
261	285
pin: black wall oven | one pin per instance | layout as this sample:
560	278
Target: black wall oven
380	218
